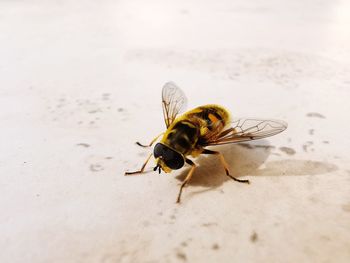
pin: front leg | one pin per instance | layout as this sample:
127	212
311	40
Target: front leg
151	143
142	168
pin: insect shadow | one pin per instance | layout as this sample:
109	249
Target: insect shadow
243	159
246	159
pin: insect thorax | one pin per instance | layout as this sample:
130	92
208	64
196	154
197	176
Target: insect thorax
182	136
189	132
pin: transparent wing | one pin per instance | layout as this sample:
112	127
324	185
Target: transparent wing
248	129
173	101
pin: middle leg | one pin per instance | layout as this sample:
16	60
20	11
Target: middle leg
188	177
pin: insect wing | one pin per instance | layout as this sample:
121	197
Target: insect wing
248	129
173	101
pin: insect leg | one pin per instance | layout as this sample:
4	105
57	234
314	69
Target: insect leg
222	159
150	144
188	177
142	168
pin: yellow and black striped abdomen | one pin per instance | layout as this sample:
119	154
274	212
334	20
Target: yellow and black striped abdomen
189	131
211	119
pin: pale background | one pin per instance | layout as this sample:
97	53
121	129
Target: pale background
80	82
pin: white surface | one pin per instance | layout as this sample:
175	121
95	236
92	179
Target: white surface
83	74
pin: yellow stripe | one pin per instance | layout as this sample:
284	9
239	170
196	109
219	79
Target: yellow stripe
212	118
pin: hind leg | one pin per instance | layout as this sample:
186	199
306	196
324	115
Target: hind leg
224	163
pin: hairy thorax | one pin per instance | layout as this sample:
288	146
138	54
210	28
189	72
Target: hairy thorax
189	132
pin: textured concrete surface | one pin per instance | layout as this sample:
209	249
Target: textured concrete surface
80	82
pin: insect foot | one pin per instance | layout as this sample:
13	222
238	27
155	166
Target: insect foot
238	180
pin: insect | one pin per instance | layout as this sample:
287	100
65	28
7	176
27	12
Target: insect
190	133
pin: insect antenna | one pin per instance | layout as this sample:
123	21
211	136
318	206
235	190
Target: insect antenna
157	167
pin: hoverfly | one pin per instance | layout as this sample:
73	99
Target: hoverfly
188	134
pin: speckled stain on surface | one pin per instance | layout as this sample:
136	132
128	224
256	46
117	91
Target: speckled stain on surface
80	83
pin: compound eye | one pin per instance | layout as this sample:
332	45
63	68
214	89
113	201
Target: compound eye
158	150
175	162
171	158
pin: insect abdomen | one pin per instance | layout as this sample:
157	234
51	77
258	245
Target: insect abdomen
211	118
